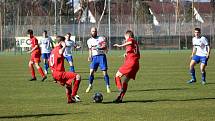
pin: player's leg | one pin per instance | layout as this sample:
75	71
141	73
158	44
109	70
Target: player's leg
45	61
40	70
123	91
31	68
69	94
93	67
107	81
192	70
104	67
91	78
72	68
202	68
76	84
118	80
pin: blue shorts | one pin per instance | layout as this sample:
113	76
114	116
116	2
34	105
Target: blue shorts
99	60
45	55
68	58
202	59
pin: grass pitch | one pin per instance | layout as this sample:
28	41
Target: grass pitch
159	93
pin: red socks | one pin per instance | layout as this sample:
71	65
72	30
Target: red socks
68	93
40	70
75	87
118	82
125	86
32	71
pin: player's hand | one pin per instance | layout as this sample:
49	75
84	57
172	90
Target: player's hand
116	45
89	59
29	51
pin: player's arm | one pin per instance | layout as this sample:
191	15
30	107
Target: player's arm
90	55
34	48
52	43
209	51
122	45
61	51
193	51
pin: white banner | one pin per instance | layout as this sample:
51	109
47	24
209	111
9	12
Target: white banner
25	41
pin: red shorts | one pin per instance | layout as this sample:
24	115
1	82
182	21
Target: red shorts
64	77
129	69
35	57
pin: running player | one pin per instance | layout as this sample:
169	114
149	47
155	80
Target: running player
200	53
68	51
46	46
56	63
97	48
130	67
35	57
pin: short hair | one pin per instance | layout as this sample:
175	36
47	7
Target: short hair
130	33
45	31
93	28
60	38
197	29
30	31
68	33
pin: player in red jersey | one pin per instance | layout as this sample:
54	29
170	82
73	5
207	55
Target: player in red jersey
56	63
35	57
130	67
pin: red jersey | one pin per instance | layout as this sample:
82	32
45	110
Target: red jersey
56	61
132	51
34	42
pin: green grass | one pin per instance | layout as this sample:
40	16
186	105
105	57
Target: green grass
159	93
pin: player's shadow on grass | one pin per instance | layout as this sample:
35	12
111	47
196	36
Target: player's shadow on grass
161	100
164	89
169	100
32	115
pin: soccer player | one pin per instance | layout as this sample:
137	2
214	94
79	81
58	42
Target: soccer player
97	48
35	57
56	63
46	46
130	67
200	54
68	51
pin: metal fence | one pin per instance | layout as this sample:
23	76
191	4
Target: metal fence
165	36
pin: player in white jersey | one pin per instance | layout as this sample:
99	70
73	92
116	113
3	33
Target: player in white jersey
46	47
68	51
97	57
200	53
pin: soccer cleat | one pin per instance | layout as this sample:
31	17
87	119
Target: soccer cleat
203	82
89	88
77	98
108	90
33	79
44	78
71	101
191	81
118	100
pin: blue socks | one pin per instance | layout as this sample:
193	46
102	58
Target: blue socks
203	76
91	78
193	75
72	69
106	78
46	66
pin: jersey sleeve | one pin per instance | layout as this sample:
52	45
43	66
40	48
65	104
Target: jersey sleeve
89	44
205	41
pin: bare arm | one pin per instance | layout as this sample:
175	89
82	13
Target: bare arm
209	51
193	51
90	55
122	45
63	44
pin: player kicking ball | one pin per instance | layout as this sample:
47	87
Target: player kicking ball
130	67
58	71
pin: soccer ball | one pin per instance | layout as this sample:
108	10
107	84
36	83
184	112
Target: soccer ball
97	97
